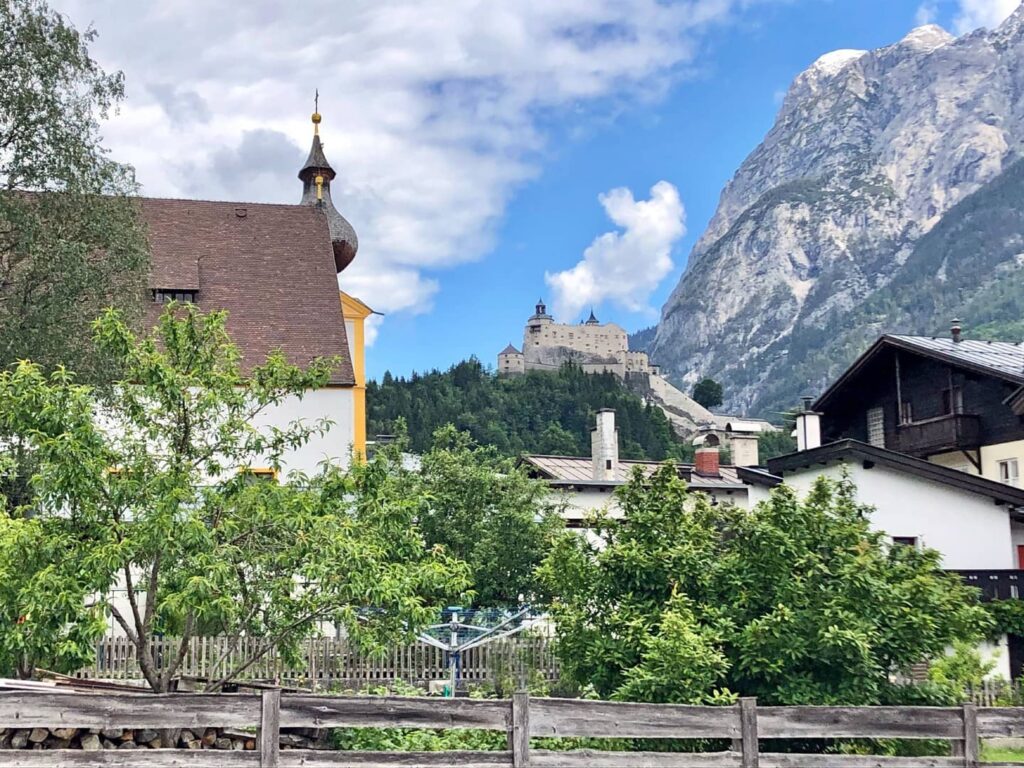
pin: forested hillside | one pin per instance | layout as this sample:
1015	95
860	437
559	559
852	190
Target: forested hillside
550	413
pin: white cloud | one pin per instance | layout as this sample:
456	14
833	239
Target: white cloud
624	267
432	110
983	13
927	13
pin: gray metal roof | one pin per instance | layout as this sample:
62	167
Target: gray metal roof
1003	358
510	350
578	470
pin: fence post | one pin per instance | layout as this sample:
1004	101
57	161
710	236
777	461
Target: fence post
519	733
748	732
270	729
971	745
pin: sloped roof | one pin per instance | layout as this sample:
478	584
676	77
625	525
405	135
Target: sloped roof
510	350
578	470
847	450
1000	359
270	266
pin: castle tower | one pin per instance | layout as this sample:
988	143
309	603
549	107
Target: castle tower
316	175
511	361
592	320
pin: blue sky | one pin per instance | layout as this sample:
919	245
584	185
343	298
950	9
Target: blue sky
694	138
487	153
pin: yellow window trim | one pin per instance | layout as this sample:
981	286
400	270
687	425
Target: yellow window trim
261	472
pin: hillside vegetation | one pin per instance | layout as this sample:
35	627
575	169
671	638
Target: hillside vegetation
538	412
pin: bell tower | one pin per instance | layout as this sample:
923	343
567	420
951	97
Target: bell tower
316	176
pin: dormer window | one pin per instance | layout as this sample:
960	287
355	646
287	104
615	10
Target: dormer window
167	295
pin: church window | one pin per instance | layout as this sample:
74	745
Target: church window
166	295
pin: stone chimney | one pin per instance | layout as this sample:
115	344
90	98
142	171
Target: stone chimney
744	449
706	462
604	446
954	330
808	427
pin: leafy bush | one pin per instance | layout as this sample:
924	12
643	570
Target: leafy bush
795	602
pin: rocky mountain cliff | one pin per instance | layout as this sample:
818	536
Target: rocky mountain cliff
886	198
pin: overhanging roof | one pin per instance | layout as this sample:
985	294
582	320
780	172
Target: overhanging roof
854	450
1000	359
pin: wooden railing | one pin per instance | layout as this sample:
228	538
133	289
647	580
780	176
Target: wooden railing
327	663
955	430
521	719
995	585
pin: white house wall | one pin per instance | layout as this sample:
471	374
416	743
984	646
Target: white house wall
970	531
334	403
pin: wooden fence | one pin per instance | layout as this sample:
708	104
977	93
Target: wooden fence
327	663
521	718
997	692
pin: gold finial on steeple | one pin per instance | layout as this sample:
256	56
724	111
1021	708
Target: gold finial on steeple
319	187
316	113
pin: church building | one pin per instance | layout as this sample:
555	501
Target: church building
274	268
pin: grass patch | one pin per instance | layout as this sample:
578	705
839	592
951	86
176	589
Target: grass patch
1001	755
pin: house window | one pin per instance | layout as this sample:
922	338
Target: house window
260	474
1008	472
953	400
906	412
876	427
905	541
165	295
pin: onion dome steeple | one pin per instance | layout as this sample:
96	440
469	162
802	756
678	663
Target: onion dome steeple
316	175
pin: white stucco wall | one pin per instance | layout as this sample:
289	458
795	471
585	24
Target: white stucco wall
969	530
580	503
334	403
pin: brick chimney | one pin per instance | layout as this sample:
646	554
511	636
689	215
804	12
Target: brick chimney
955	330
808	427
604	446
706	462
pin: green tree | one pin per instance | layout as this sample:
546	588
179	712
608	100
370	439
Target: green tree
47	616
70	238
539	412
486	511
795	602
148	492
778	442
708	392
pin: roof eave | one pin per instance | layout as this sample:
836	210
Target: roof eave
843	450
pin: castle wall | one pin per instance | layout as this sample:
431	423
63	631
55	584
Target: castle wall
596	348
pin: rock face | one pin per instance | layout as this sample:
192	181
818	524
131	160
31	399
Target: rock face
871	151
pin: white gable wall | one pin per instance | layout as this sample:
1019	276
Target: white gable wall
334	403
970	531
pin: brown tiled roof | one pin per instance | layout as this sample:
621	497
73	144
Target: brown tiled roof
270	266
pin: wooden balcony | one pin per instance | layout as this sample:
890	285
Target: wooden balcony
995	585
956	431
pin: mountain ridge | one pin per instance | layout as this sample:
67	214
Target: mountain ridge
870	152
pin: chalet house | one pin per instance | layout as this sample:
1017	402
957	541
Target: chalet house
589	482
953	401
930	432
275	269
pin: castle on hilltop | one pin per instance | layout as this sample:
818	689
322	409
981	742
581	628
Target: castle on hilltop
596	347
